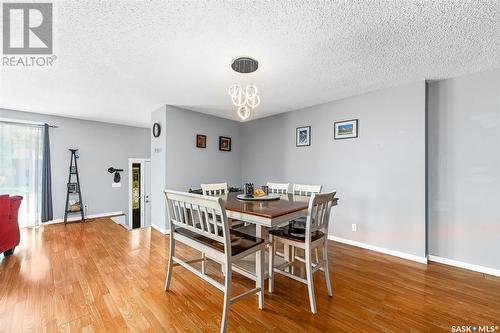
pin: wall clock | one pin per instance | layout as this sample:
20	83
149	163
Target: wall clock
156	130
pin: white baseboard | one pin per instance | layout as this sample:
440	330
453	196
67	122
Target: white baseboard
422	260
461	264
120	220
93	216
163	231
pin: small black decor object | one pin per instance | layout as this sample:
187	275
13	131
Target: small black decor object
72	187
117	176
265	188
249	190
74	203
156	130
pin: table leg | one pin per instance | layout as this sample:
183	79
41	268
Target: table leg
287	255
260	232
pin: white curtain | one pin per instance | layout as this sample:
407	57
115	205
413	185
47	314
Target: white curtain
21	168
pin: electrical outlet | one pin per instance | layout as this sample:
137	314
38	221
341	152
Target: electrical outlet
354	227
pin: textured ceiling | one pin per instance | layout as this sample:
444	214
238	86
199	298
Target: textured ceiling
119	60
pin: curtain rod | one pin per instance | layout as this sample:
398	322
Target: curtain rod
24	122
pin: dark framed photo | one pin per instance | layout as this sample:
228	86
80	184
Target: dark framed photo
72	187
201	141
346	129
224	143
303	136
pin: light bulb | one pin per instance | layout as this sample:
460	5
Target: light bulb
239	100
243	112
251	91
253	102
235	90
245	99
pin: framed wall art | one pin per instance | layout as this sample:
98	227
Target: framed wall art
346	129
303	136
224	143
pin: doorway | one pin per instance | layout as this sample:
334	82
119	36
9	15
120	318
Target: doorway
139	193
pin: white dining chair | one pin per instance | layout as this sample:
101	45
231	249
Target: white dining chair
200	222
219	189
215	189
314	236
281	188
305	190
308	190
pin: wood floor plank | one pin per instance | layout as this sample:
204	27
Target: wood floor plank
99	277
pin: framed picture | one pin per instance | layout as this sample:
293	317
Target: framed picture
72	187
224	143
346	129
303	136
201	141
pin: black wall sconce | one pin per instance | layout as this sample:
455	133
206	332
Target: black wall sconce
117	176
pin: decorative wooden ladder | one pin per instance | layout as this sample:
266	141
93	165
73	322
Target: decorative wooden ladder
73	188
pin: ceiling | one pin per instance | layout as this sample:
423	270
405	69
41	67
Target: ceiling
118	61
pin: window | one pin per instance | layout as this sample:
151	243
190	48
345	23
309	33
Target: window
21	168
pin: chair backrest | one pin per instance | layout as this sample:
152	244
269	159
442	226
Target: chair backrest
281	188
203	215
306	189
318	213
214	189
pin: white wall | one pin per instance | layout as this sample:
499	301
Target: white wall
464	169
379	177
101	145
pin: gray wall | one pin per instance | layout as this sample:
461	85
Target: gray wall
158	169
188	166
464	169
180	165
101	145
379	177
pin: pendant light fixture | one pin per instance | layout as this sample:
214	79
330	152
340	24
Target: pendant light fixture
244	99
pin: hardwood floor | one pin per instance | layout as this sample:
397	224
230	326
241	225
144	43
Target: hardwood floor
98	277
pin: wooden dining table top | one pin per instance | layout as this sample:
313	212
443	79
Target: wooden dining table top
287	204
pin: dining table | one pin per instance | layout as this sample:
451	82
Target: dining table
264	214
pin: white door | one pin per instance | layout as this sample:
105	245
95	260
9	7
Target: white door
147	194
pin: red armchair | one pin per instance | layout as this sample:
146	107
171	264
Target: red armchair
9	228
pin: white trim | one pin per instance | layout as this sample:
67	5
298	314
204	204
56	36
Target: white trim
93	216
120	220
142	162
163	231
461	264
422	260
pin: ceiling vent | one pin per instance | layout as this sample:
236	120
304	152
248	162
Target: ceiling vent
244	65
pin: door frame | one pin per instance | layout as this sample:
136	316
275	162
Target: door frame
132	161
